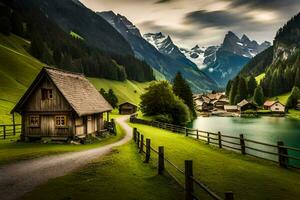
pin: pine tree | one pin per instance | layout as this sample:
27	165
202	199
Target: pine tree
233	90
112	98
242	89
297	78
37	46
228	88
17	24
182	89
293	98
258	96
5	26
252	84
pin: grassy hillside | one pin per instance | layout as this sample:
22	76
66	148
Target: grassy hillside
18	69
260	77
126	91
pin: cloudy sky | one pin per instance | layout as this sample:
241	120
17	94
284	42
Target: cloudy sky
203	22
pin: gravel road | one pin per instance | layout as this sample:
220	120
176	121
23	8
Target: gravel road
16	179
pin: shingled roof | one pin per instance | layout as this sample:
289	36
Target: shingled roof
82	96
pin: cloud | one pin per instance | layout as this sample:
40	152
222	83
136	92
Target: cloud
266	4
154	27
164	1
219	18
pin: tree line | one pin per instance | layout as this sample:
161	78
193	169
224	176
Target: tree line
55	47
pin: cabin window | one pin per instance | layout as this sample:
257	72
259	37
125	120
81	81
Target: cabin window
47	94
61	121
34	121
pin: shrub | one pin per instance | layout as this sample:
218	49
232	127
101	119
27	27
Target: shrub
159	99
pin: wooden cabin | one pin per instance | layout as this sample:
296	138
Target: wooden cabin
220	103
274	106
246	105
230	108
127	108
61	105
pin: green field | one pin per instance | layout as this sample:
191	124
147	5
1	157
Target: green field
282	98
260	77
110	178
18	69
76	36
222	170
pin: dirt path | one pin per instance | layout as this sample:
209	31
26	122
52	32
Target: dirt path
19	178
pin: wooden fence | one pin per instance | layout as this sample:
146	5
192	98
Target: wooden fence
286	156
144	146
9	130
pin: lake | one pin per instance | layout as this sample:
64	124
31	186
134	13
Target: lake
264	129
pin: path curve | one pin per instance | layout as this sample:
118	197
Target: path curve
19	178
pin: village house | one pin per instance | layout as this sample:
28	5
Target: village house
61	105
220	103
207	102
127	108
230	108
274	106
246	105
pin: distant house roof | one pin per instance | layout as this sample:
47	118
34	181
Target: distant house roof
206	99
269	103
82	96
230	107
243	103
127	102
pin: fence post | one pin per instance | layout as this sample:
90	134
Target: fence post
186	132
229	196
189	186
148	150
242	142
134	134
197	134
282	153
138	139
161	159
220	139
208	138
4	132
142	144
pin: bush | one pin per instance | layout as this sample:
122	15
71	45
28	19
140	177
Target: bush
159	99
163	118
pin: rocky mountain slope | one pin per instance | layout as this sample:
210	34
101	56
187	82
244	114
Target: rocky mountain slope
164	57
221	63
281	62
231	57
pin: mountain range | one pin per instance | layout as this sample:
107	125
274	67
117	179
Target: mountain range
224	62
166	59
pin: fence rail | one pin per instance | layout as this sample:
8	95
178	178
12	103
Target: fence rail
9	130
278	153
189	179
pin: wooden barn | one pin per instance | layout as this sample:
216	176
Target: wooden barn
61	105
127	108
246	105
